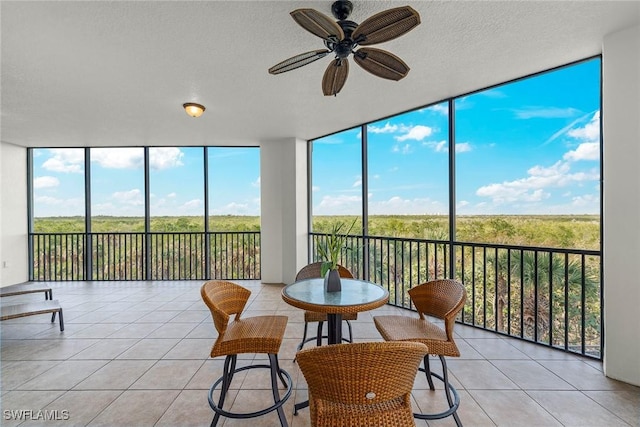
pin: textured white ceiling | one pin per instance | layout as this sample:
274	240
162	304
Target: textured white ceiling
117	73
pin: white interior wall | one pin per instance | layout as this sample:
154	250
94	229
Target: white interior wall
13	215
621	217
283	199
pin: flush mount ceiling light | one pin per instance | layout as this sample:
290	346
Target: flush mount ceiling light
193	109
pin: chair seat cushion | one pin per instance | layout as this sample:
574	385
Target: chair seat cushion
258	334
388	414
314	316
404	328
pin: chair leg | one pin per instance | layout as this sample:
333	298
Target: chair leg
227	376
427	371
232	370
279	372
61	321
275	372
453	398
447	390
319	336
304	337
225	382
350	331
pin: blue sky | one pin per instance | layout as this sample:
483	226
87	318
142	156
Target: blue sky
528	147
176	181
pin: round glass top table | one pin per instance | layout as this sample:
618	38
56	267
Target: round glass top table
355	296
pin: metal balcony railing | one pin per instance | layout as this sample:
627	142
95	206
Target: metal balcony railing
144	256
548	296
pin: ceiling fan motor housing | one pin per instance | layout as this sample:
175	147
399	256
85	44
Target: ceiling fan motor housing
341	9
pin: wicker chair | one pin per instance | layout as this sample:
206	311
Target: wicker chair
312	271
442	299
259	334
362	384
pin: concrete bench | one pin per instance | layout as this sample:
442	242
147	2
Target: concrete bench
29	309
26	288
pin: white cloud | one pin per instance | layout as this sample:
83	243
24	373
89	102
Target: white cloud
357	183
48	200
570	127
440	147
256	183
586	200
234	208
545	112
315	188
131	197
589	137
191	204
387	128
590	132
532	188
493	93
171	195
440	108
418	133
437	108
118	158
65	160
161	158
585	151
45	182
463	147
342	204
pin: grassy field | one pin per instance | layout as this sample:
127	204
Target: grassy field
557	231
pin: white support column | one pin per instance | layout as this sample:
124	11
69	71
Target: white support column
283	183
13	215
621	217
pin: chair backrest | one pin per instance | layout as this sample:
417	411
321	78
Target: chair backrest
361	374
224	299
312	271
439	298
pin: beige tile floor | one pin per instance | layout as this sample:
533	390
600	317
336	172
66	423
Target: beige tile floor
136	354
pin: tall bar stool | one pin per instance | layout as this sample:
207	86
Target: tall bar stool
312	271
259	334
442	299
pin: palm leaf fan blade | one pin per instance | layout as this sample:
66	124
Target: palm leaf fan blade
381	63
335	77
386	25
298	61
318	24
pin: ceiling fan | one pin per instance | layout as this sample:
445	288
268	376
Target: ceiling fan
343	37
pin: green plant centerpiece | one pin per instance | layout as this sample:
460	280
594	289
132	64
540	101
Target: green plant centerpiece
330	249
